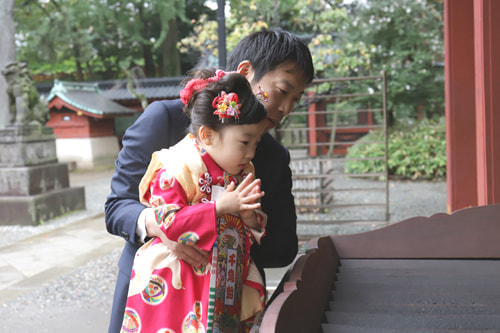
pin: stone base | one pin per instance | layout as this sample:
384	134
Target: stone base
33	180
27	145
35	209
34	187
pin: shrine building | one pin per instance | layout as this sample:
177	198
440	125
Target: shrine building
83	122
89	119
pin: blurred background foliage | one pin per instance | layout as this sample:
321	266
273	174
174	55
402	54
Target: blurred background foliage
416	150
101	39
109	39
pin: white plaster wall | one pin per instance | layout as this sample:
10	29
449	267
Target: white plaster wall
88	153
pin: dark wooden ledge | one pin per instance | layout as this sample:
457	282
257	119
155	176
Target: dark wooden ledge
423	274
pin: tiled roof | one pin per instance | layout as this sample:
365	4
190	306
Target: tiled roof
116	90
87	97
152	88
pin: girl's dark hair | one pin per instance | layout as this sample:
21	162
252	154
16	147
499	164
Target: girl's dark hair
268	49
201	110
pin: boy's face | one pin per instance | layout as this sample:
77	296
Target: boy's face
285	86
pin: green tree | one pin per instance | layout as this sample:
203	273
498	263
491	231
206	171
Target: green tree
55	32
245	18
204	39
275	13
145	26
145	33
305	18
194	10
404	38
103	36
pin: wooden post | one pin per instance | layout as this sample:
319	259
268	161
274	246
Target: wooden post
460	104
487	82
313	132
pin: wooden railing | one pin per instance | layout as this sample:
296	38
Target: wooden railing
332	116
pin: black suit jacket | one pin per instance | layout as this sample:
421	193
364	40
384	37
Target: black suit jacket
162	125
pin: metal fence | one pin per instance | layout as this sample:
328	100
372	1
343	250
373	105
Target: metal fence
334	115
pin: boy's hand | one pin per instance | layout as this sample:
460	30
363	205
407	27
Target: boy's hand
191	254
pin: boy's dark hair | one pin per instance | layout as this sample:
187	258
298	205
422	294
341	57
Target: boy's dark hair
267	49
201	110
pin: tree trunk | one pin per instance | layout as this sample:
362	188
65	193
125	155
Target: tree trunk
79	71
76	55
8	53
149	65
171	63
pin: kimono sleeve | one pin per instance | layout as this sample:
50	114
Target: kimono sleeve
182	222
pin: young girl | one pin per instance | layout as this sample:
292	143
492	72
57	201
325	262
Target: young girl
203	193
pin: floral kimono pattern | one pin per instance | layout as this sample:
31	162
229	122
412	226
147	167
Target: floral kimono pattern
165	293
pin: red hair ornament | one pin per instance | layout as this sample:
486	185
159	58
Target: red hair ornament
226	106
194	85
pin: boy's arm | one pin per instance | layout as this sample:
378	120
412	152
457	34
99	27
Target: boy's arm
161	125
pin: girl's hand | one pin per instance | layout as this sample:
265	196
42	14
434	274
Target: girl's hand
249	216
242	200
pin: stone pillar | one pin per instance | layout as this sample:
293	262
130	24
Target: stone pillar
8	52
34	187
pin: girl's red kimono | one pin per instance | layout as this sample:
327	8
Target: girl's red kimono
165	293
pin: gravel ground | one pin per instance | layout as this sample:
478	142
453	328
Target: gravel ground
76	302
406	199
81	300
